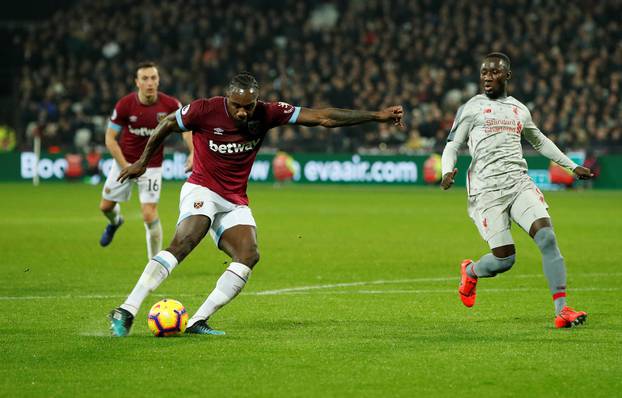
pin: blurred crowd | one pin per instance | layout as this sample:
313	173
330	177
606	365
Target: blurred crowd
423	54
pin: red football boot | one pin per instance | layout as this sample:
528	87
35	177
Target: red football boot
467	285
568	318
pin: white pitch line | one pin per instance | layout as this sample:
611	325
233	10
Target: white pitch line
347	284
397	281
432	291
306	289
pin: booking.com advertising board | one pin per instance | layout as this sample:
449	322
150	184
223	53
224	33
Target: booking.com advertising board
310	168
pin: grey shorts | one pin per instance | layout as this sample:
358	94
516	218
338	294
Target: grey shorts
492	212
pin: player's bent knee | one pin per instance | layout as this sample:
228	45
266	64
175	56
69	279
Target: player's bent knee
150	213
248	257
180	251
150	217
545	238
181	246
504	264
106	206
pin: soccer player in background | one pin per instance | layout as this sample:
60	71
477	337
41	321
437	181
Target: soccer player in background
227	134
135	116
499	188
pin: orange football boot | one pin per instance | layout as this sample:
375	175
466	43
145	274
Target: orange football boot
467	285
568	318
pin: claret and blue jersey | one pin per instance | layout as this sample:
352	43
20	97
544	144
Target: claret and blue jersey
223	152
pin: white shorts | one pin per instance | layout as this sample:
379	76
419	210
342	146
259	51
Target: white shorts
197	200
149	185
492	212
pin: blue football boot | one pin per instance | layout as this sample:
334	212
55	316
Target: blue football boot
120	322
201	327
109	233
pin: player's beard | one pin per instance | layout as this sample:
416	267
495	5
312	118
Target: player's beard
240	123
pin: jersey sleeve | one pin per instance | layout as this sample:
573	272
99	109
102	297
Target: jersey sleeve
462	125
457	136
280	113
544	145
119	117
189	116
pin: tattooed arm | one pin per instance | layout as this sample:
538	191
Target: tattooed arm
334	117
165	127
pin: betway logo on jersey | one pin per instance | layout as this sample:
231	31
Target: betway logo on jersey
234	147
143	131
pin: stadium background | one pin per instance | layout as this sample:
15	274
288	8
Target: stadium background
69	62
355	295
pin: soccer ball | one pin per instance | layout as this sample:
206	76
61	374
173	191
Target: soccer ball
167	318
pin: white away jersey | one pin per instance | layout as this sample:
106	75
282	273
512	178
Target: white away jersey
492	129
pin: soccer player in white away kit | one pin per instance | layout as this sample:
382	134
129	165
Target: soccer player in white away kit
499	188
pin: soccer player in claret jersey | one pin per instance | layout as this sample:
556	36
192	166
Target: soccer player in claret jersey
135	116
499	189
227	133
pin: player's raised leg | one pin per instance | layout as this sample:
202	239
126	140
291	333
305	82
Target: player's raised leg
500	260
240	243
112	211
490	215
113	193
555	271
188	234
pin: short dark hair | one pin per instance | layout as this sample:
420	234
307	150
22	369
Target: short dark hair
501	56
243	81
145	64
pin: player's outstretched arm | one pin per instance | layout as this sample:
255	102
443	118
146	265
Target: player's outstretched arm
335	117
583	173
546	147
165	127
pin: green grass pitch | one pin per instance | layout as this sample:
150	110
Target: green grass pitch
355	296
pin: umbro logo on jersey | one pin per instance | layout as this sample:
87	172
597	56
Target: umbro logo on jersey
160	116
488	110
218	131
288	108
133	118
234	147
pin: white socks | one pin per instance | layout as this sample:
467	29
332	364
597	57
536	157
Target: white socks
157	269
154	237
230	283
114	215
